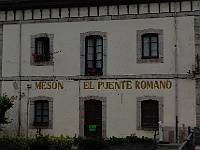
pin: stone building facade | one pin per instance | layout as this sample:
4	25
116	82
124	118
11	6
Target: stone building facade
105	68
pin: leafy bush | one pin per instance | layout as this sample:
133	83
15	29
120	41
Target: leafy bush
87	143
19	143
14	143
135	139
66	142
5	104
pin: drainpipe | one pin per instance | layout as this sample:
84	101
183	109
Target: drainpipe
27	108
20	66
176	70
79	94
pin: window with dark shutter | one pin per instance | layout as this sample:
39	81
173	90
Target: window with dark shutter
94	55
149	114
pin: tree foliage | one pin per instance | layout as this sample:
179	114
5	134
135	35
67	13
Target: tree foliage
5	104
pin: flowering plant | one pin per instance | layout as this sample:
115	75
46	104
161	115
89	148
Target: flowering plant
94	71
34	55
41	57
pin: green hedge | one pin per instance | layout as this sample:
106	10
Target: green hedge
19	143
66	142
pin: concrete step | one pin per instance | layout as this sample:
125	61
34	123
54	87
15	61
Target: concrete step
171	146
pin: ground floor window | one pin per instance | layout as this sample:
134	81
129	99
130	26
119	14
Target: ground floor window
41	112
149	112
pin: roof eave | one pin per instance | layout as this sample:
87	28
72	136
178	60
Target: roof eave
41	4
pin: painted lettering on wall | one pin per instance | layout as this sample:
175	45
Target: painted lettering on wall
154	84
49	85
109	85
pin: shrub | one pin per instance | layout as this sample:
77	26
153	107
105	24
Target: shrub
5	104
66	142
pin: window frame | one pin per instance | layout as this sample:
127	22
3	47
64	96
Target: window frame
83	51
139	112
42	60
45	53
94	70
147	124
32	124
139	46
150	36
42	102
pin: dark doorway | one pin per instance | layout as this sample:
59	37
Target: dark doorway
93	118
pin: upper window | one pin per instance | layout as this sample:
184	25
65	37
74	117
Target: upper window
94	55
150	46
42	49
149	114
41	112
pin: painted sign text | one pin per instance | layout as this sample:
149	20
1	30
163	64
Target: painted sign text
49	85
143	84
